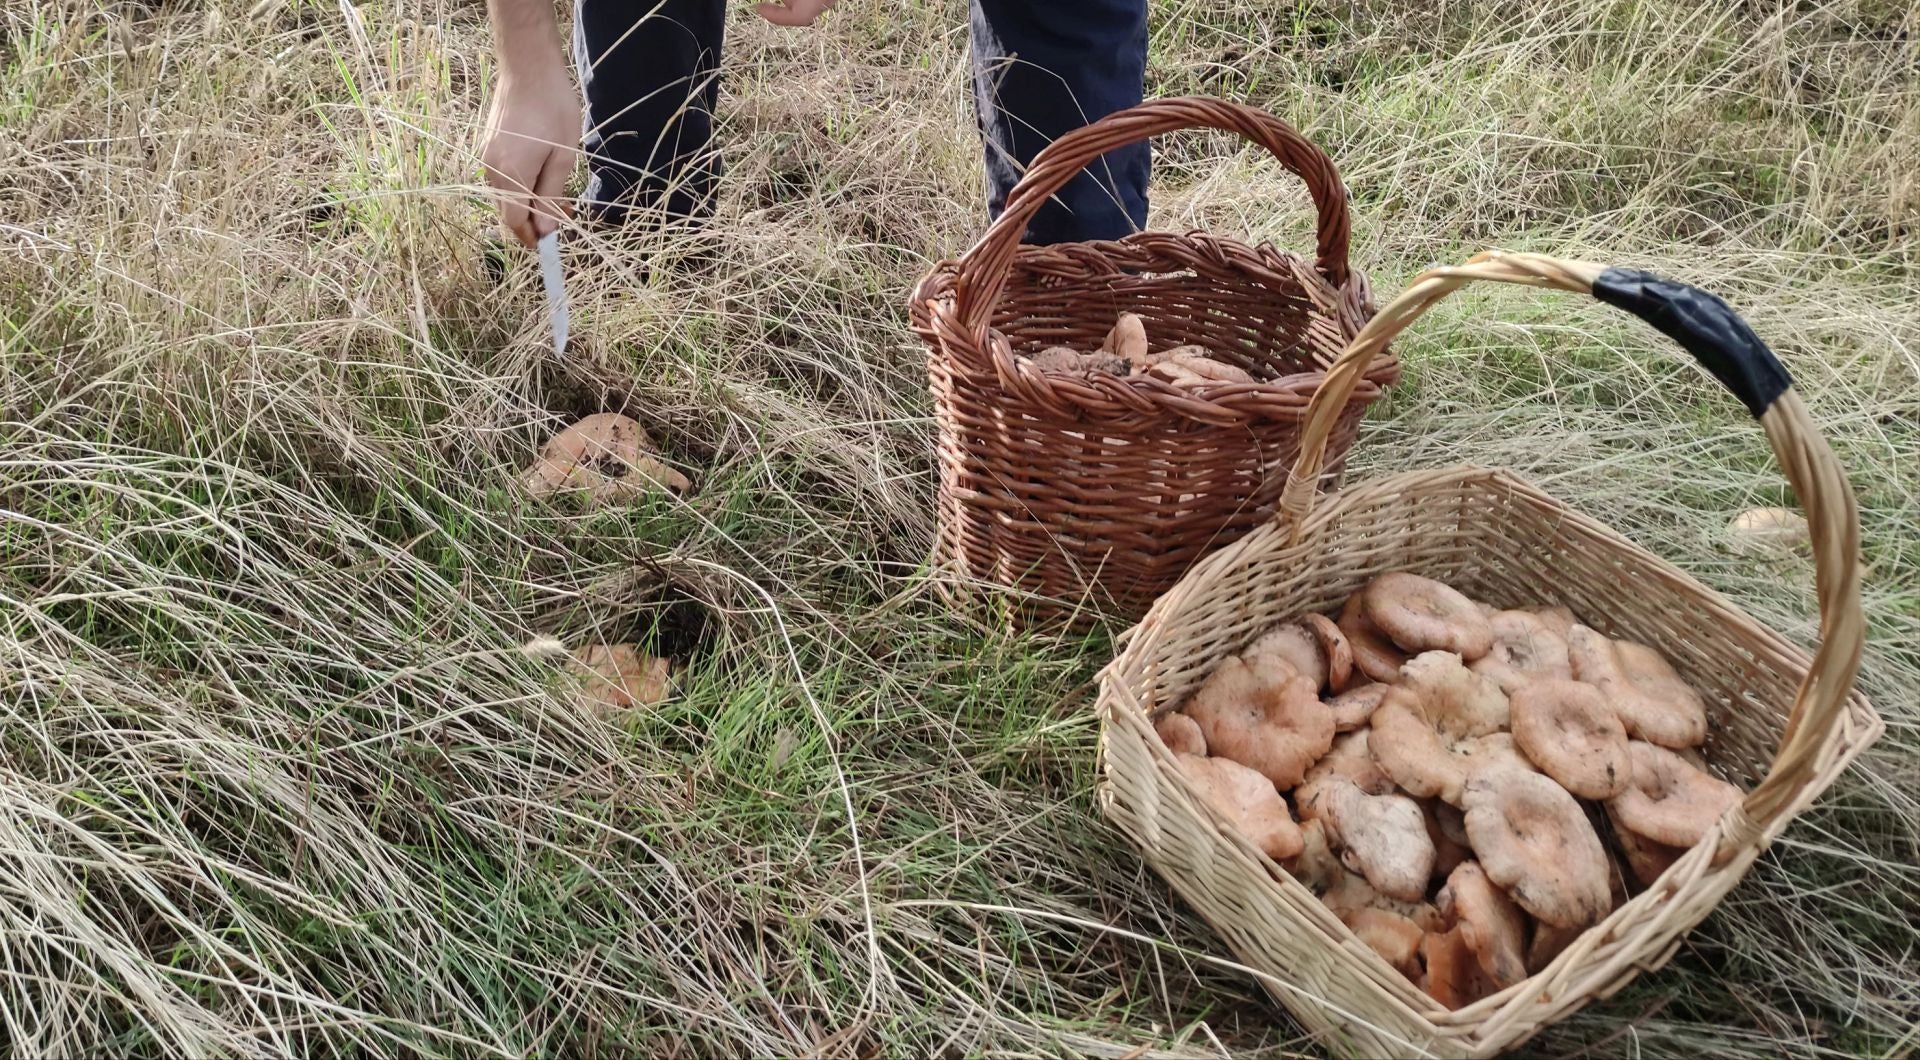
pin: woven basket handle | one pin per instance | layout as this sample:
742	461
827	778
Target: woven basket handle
984	268
1723	343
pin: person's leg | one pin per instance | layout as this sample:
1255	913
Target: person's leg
1045	67
649	72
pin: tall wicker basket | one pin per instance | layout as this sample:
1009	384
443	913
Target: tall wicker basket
1099	491
1784	724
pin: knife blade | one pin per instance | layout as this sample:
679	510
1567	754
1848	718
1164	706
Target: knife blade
549	247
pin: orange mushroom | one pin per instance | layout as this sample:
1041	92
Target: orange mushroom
1350	758
1495	929
1394	937
1525	649
1336	650
1128	340
1181	734
1533	839
1316	866
1421	614
1263	714
606	455
1453	978
1646	859
1383	837
1568	729
1353	708
1248	801
1448	830
1374	654
1669	801
1651	699
1439	726
1294	644
615	677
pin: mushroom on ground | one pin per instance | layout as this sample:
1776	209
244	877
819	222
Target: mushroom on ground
1248	801
1374	654
1646	859
615	677
1261	713
1568	729
1453	977
1350	758
1495	929
1651	699
1394	937
1533	839
606	455
1295	645
1669	801
1383	837
1353	708
1181	734
1525	649
1439	726
1128	340
1421	614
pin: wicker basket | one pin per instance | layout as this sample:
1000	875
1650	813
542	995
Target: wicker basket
1784	723
1101	490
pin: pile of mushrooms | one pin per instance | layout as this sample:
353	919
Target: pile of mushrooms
1467	788
1125	352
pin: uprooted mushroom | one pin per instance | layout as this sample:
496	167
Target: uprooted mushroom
1668	801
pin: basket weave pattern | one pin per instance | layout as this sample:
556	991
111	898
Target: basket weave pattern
1105	489
1783	723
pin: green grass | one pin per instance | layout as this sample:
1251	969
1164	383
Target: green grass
279	778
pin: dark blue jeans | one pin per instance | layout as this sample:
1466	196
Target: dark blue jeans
650	72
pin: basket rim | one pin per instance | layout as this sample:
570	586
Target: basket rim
1500	1021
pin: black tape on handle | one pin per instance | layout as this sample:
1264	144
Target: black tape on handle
1707	327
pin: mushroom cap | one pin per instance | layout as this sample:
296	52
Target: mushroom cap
1334	648
1651	699
1525	649
1353	708
1128	339
1646	859
1449	837
1458	701
1181	734
1263	714
1351	758
1496	930
1454	978
1558	619
1350	892
1421	614
1394	937
1316	866
605	454
1295	645
1374	654
1383	837
1570	731
1248	801
1533	839
1440	726
615	677
1669	801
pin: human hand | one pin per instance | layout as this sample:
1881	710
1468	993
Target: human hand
532	135
793	12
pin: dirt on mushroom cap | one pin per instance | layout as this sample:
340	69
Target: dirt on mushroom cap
1248	801
1421	614
1669	801
1571	732
1534	840
1525	649
1261	713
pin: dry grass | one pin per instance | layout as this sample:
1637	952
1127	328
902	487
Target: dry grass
279	781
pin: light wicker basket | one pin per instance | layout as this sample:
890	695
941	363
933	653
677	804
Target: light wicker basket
1784	723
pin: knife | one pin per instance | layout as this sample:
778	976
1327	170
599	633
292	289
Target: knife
549	247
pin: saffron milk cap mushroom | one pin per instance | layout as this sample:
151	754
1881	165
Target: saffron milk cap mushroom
1248	801
1262	713
1668	800
1421	614
1181	734
1394	937
1439	725
1374	654
1570	731
1534	840
1383	837
1294	643
1525	649
1651	699
606	456
1353	708
1496	930
1351	759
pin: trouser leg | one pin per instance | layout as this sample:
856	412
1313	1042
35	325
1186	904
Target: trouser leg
649	72
1042	68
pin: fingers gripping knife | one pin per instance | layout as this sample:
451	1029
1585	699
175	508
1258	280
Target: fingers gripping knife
549	247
